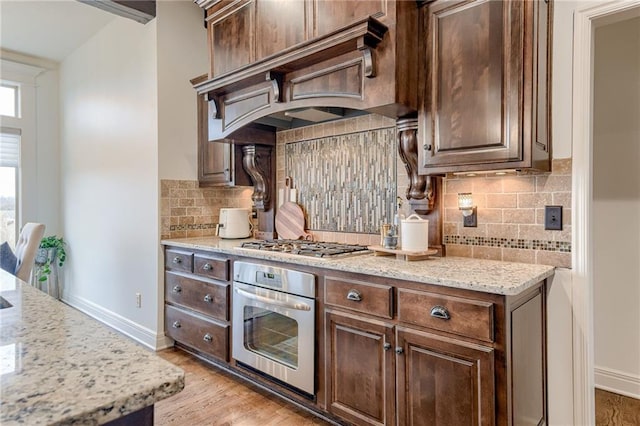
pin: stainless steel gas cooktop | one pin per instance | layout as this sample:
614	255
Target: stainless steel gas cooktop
307	248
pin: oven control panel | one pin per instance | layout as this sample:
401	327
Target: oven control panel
270	279
281	279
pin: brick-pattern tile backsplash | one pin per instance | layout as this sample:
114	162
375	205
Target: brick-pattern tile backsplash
187	210
511	216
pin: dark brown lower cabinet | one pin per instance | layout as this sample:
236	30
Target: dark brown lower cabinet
206	335
444	357
443	381
362	368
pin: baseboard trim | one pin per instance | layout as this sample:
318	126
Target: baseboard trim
135	331
617	382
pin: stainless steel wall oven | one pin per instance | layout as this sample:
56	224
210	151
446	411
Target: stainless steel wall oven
274	323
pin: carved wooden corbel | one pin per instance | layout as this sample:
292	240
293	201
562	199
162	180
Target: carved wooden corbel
256	161
421	190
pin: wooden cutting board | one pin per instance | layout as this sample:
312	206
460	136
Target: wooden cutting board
290	217
290	221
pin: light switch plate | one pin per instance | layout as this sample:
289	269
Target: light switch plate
553	218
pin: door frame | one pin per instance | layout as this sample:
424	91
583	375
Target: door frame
585	21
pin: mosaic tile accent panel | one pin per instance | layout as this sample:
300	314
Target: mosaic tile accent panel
345	183
559	246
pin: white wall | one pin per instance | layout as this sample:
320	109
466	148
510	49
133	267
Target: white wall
129	119
560	316
182	55
39	139
48	151
616	203
109	177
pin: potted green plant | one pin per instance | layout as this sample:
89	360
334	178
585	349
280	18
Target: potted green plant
51	254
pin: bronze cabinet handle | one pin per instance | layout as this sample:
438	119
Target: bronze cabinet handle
440	312
354	295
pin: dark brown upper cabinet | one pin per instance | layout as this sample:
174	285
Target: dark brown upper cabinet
269	56
486	87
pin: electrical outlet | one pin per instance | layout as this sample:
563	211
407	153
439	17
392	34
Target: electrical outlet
553	218
138	300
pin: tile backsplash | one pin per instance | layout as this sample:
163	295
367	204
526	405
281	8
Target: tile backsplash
511	216
187	210
510	208
330	159
346	183
345	172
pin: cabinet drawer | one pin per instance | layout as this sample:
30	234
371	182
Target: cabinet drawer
178	260
465	317
206	297
206	336
359	296
211	267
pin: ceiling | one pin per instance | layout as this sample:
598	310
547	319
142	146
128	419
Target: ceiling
49	29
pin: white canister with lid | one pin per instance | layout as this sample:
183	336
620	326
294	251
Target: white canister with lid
234	223
415	233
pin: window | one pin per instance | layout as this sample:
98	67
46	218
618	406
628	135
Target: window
9	100
9	164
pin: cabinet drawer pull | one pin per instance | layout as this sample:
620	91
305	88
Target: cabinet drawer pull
177	289
207	338
177	260
387	346
176	324
399	350
354	295
427	147
440	312
207	267
208	298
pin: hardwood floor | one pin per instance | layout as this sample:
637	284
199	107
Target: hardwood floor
213	397
616	410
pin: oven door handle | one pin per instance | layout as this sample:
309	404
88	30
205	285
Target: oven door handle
296	306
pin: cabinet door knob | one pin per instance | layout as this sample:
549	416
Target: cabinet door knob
207	338
399	350
208	298
354	295
177	289
207	267
387	346
176	324
427	147
177	260
440	312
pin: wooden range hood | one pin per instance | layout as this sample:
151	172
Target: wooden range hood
368	64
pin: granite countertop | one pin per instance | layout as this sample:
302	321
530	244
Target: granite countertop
59	366
489	276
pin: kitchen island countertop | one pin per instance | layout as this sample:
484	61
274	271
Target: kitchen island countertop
489	276
59	366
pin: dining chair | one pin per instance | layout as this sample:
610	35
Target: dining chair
26	248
